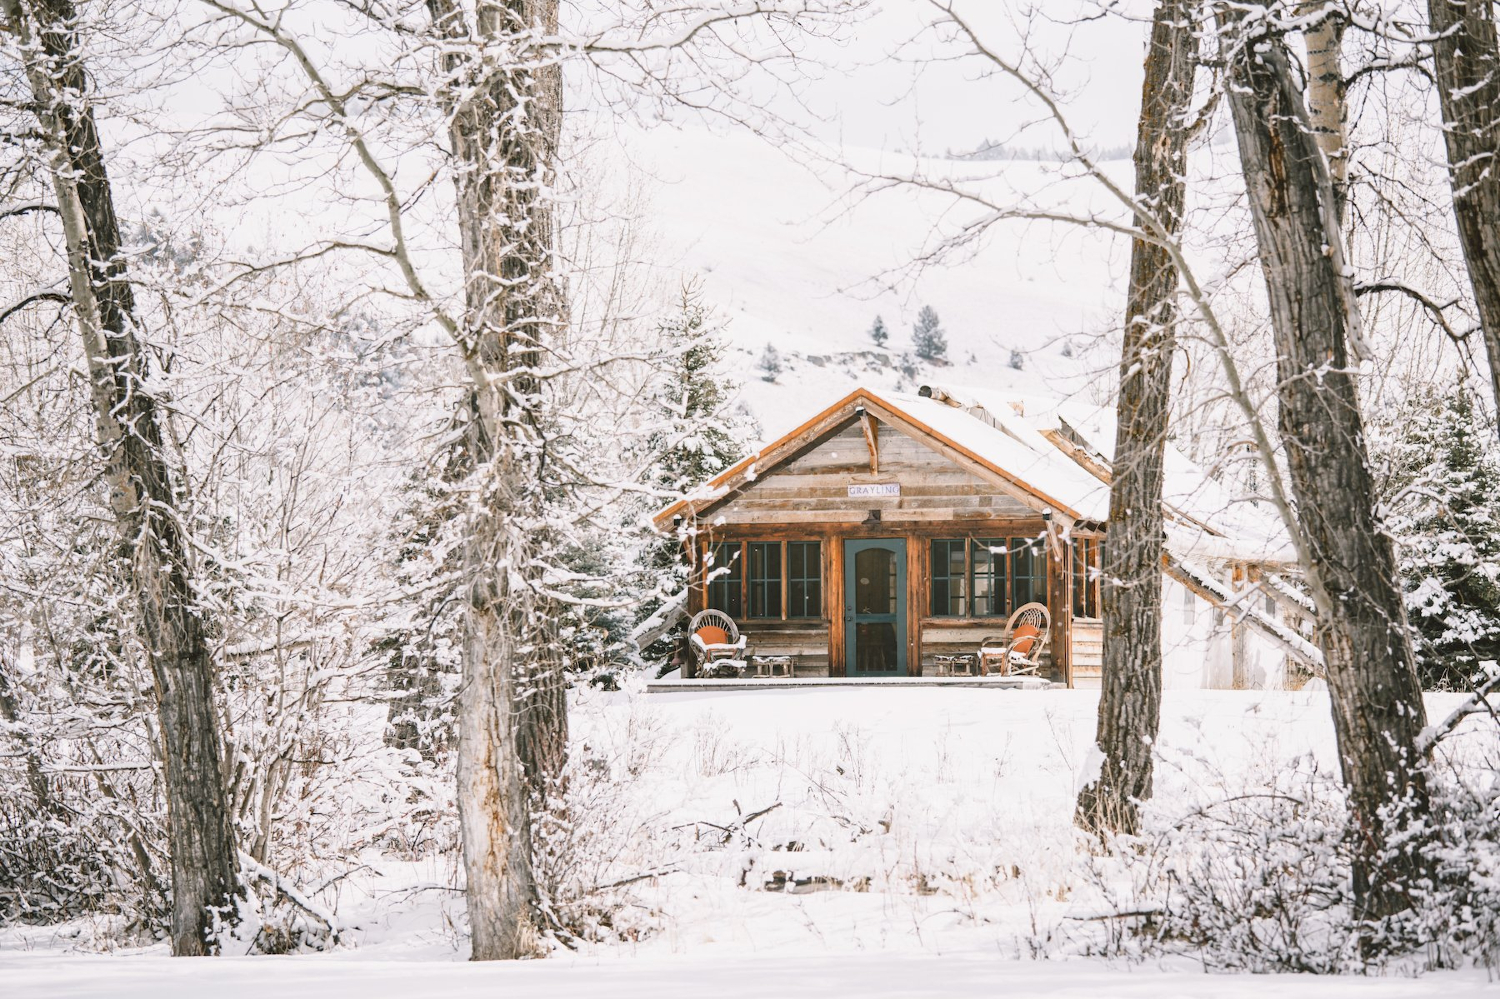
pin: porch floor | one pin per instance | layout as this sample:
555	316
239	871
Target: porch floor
680	685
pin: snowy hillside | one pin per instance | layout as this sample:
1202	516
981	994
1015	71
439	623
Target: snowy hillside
790	259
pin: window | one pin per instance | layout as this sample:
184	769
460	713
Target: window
1028	571
1087	575
990	577
765	579
750	579
987	577
949	577
725	575
804	579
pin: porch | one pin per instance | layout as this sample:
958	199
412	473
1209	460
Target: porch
938	603
689	685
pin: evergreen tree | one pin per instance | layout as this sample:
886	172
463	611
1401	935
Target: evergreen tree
928	338
1444	497
770	363
702	433
879	333
1017	359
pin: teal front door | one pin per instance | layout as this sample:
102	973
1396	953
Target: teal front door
875	607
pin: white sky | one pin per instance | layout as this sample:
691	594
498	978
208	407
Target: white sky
888	91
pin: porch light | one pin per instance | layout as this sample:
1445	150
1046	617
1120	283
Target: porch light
873	517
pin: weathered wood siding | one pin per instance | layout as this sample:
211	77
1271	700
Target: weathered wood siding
805	638
949	637
1088	652
807	497
813	487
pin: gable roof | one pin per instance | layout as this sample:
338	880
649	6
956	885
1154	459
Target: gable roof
1046	452
1033	471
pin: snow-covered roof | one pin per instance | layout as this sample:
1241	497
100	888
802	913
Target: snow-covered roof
1057	450
1206	520
1012	447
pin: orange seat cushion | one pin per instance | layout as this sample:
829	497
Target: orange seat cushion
712	635
1024	638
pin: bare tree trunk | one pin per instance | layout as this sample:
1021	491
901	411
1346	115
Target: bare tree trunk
1327	110
513	712
1467	55
1130	703
143	494
1351	572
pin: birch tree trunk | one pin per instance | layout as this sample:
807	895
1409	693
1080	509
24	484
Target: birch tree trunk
504	130
143	494
1327	109
1467	57
1130	703
1351	572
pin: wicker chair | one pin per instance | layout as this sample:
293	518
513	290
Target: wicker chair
1024	651
717	647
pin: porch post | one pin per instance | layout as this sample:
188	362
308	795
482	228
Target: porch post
916	599
1060	605
833	600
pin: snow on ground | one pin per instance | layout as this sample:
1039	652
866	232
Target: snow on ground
882	975
918	843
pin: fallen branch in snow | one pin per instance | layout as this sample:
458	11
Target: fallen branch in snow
291	892
738	826
1433	735
1120	915
643	876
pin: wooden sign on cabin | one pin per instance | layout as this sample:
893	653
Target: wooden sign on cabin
875	489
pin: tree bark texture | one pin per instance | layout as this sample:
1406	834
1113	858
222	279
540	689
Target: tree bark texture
1327	108
504	131
142	492
1361	630
1130	702
1467	58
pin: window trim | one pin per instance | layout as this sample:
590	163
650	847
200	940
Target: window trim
816	545
1079	570
765	581
1004	578
1038	559
737	562
783	611
1012	544
967	603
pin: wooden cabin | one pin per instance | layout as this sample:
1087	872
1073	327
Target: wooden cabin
891	529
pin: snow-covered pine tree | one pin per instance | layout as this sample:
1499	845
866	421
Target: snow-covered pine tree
878	333
1444	490
928	338
1017	359
702	433
770	363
